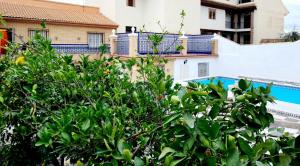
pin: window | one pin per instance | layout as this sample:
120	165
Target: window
203	69
131	3
95	39
212	14
44	33
128	29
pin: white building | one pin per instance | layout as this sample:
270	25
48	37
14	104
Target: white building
243	21
137	13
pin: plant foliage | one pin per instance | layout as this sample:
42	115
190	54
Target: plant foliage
93	112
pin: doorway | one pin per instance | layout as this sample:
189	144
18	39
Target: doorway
6	37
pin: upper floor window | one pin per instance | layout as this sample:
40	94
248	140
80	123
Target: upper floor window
212	14
131	3
44	33
128	29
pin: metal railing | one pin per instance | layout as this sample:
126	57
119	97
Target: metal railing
168	45
199	44
123	44
229	24
75	49
244	24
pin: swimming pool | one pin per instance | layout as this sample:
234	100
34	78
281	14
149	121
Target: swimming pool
282	93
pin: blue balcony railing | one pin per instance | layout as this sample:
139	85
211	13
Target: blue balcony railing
167	46
123	44
75	49
199	44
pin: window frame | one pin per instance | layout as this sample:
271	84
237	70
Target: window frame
212	14
129	5
207	69
36	29
101	33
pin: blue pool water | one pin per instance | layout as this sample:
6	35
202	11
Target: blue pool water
281	93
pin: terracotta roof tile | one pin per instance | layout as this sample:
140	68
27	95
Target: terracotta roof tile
53	12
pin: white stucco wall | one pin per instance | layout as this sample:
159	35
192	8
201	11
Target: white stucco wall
172	10
149	12
129	16
189	70
217	24
279	61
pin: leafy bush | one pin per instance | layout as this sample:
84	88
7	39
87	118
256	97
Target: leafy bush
291	36
93	112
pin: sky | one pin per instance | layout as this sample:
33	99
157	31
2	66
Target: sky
292	21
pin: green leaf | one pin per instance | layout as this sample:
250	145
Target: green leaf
189	143
245	147
214	112
233	158
214	130
43	24
138	161
243	84
34	87
285	160
1	99
120	145
205	142
165	151
127	154
115	162
86	125
189	119
297	142
75	136
66	137
258	163
43	142
171	119
175	100
203	126
174	163
211	161
107	145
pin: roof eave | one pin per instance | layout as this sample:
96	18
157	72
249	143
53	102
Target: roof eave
226	6
55	22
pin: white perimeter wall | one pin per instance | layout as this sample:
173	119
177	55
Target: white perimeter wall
279	61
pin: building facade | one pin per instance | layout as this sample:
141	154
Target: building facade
74	28
243	21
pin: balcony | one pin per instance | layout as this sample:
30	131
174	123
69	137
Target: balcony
244	24
229	25
195	45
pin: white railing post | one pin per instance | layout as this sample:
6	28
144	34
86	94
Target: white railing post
133	43
183	40
214	47
113	42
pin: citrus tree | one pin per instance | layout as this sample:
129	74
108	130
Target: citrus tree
95	113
